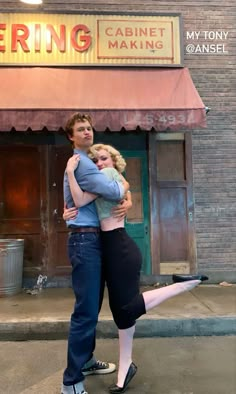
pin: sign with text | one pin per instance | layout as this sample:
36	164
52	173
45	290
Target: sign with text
78	39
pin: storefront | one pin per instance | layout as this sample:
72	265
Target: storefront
142	100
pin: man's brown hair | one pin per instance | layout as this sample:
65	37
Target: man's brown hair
78	117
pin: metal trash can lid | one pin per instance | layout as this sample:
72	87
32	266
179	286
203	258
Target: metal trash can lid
10	240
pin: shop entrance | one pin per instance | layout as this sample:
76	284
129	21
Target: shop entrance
161	220
137	222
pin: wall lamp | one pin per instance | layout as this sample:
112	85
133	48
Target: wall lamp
32	1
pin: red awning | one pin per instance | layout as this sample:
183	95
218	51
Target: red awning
159	99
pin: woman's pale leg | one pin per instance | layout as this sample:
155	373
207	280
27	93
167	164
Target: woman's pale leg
125	357
151	299
155	297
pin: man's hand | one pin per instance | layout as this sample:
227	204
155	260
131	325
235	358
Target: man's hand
70	213
72	163
120	210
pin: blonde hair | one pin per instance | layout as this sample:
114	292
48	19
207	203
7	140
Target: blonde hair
117	158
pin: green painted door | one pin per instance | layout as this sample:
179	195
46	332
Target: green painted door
137	221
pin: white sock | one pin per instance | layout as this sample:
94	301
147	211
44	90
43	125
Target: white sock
125	357
155	297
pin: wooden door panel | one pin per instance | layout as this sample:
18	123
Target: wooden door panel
22	184
33	249
58	262
173	225
21	201
134	175
171	161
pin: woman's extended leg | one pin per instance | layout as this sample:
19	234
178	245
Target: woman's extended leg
155	297
151	299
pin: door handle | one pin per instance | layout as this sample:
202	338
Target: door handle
55	212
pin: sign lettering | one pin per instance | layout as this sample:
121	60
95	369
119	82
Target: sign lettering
58	39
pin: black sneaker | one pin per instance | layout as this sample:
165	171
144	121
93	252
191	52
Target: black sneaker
99	368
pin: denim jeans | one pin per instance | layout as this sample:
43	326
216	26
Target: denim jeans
84	251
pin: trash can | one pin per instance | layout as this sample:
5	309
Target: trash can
11	266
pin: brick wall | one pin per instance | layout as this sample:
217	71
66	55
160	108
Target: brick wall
214	149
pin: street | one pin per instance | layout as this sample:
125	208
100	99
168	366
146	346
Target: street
187	365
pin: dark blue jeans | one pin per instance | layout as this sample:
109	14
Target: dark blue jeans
85	256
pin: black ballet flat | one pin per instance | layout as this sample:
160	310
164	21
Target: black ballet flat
130	374
184	278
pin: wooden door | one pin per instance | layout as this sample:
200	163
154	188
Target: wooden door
23	203
137	221
58	260
173	236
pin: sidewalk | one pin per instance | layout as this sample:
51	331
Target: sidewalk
206	310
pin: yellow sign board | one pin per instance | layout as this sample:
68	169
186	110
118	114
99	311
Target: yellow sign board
84	40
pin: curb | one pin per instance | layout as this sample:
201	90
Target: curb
145	328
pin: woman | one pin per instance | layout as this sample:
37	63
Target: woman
122	262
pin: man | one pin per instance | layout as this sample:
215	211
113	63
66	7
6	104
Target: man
85	257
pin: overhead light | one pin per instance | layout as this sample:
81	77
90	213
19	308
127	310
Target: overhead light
32	1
